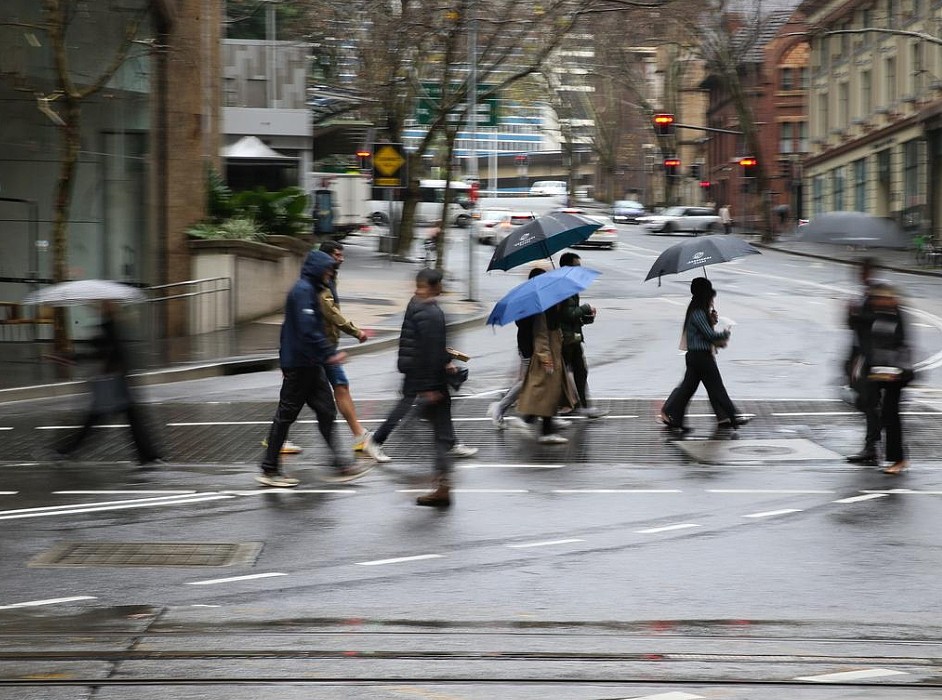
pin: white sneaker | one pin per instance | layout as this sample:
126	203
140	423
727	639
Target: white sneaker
288	448
496	418
561	423
460	450
552	439
518	425
593	412
375	450
278	481
359	442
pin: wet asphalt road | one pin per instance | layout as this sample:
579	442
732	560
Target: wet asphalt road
625	565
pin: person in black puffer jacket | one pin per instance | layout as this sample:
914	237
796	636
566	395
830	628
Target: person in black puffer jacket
425	363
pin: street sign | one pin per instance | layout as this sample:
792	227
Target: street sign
428	105
389	161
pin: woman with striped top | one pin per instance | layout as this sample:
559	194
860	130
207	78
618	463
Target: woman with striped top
702	340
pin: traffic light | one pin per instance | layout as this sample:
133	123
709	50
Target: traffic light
521	159
695	171
705	185
664	124
363	159
670	166
748	166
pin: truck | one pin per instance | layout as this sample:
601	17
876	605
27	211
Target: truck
341	203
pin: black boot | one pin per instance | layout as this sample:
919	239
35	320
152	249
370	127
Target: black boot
866	457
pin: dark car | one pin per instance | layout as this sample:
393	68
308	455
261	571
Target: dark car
627	211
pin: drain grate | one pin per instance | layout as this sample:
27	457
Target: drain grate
755	451
89	554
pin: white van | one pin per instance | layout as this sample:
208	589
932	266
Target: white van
549	188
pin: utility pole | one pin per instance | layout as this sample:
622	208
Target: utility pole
473	126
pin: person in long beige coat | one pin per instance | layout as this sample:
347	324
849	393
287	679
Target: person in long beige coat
547	387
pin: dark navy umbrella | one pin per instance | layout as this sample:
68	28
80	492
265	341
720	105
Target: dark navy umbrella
699	252
854	228
541	238
540	293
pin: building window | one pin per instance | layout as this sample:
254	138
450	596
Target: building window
843	104
866	94
786	137
890	74
788	79
817	194
860	185
837	189
867	22
891	14
918	72
823	121
803	80
912	194
803	146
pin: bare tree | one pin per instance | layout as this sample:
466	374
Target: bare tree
75	82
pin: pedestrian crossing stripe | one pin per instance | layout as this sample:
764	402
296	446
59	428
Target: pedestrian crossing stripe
845	676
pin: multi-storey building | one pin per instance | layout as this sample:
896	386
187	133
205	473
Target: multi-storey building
774	76
875	110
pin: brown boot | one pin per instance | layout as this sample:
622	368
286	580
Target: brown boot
439	498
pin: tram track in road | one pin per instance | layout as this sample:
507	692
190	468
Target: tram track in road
347	659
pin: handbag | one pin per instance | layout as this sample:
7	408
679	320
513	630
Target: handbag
456	379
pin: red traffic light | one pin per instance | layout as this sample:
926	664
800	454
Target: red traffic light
748	162
664	124
705	184
671	162
363	154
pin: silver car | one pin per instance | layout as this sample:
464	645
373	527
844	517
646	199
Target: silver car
694	220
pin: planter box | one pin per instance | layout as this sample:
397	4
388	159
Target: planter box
260	274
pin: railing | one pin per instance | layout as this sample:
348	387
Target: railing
209	302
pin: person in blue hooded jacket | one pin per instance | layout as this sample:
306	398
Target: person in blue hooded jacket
305	351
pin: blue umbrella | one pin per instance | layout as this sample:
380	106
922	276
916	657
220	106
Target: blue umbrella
540	293
541	238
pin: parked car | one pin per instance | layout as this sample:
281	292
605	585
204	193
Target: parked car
488	221
694	220
548	188
604	237
517	218
627	211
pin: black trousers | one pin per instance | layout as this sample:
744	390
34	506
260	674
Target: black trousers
300	386
701	367
144	444
403	407
880	401
574	357
438	414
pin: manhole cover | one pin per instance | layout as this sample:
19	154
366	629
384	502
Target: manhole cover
755	451
89	554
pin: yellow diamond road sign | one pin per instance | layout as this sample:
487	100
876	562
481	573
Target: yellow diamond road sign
388	161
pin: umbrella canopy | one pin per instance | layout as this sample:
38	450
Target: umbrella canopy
854	228
83	292
540	293
699	252
541	238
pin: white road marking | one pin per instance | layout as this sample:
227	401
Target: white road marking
819	413
676	695
122	492
467	490
8	493
617	491
48	601
399	560
908	492
667	528
851	675
666	300
922	325
769	491
46	511
548	543
4	427
857	499
262	492
190	424
231	579
75	427
773	513
478	465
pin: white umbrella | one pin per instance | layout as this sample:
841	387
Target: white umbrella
83	292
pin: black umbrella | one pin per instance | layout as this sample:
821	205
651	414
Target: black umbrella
699	252
541	238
